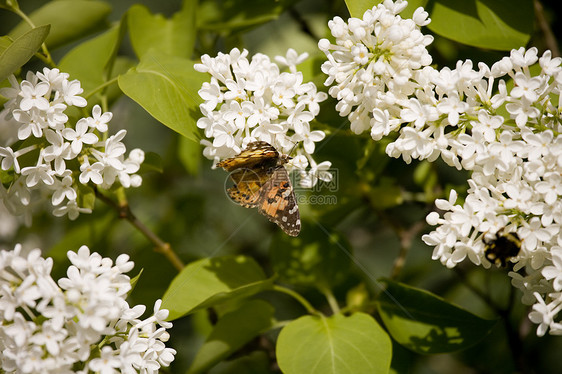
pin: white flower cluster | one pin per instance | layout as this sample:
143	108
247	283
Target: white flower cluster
511	142
502	123
83	324
374	64
42	154
246	101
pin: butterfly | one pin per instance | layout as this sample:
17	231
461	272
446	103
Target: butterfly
261	180
501	248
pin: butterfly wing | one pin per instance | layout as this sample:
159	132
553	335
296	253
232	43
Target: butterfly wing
261	181
247	186
255	153
278	203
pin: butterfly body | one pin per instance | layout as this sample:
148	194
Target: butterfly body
261	180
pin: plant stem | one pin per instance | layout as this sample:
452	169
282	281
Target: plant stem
515	346
513	338
280	324
100	88
309	308
124	212
405	236
542	22
331	300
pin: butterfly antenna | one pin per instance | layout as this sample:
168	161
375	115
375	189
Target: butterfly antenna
293	149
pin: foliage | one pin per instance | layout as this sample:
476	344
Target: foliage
357	290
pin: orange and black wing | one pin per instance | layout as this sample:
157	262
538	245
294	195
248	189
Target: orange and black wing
278	203
254	154
247	186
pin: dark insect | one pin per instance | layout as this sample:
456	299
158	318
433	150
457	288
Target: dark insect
261	180
503	247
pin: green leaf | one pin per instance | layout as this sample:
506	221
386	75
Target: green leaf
336	344
91	61
224	15
210	281
135	280
16	54
311	69
166	87
6	176
201	323
425	323
9	4
69	19
94	63
121	65
402	359
412	6
357	8
5	42
231	332
256	362
493	24
173	37
315	258
189	153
